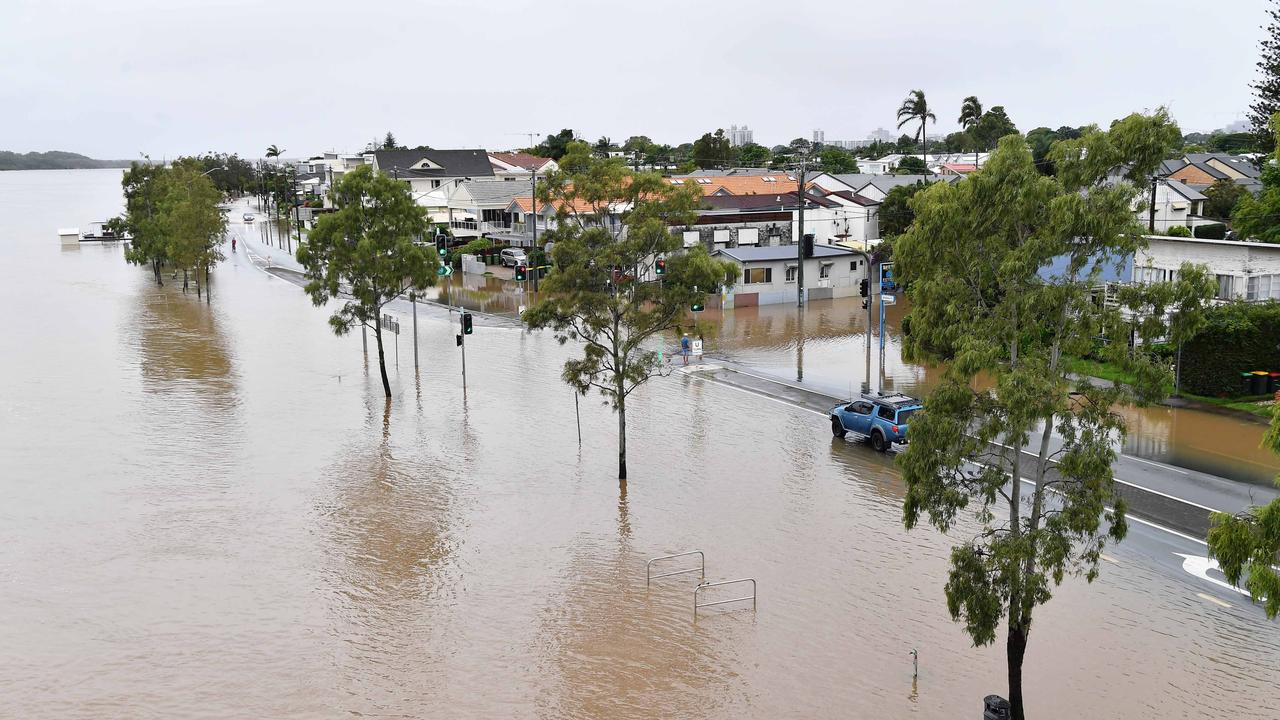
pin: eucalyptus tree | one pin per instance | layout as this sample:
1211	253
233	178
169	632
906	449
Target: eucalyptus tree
604	291
915	108
983	300
367	253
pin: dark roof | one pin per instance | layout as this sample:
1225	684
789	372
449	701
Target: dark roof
453	163
774	253
780	201
885	183
1169	167
854	197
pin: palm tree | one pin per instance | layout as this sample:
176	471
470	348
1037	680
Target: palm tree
274	152
970	114
914	108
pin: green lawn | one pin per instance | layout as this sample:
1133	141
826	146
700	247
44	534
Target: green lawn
1107	371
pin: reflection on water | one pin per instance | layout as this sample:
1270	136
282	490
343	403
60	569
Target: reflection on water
209	511
824	346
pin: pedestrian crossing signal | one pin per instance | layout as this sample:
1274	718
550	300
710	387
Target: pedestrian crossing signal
660	267
466	323
521	273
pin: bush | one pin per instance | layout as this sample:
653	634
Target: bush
1239	337
1179	231
476	247
1213	231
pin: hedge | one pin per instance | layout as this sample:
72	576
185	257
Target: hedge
1240	337
1213	231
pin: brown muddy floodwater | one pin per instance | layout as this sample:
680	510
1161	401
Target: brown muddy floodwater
207	511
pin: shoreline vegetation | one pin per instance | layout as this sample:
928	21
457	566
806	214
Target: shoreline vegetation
1257	409
54	160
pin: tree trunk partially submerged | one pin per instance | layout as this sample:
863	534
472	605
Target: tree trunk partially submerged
382	360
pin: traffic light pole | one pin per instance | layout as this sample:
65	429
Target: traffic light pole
800	241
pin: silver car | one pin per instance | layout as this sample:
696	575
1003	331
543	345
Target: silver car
511	257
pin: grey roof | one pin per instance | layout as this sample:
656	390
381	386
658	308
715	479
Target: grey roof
1242	165
1169	167
780	201
734	171
1185	190
885	183
854	197
780	252
454	163
855	180
487	192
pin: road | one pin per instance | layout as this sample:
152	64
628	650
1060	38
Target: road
1168	505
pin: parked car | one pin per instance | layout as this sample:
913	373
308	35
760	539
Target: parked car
883	419
248	217
511	257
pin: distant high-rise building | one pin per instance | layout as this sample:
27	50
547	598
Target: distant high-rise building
739	136
819	137
882	135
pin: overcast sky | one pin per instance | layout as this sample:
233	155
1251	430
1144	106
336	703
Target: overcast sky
166	77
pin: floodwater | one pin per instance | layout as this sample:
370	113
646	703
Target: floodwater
826	347
208	511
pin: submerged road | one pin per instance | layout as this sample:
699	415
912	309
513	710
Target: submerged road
1168	506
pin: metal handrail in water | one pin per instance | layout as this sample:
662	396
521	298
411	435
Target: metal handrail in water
701	570
702	586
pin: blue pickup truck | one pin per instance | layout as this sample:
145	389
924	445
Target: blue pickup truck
883	419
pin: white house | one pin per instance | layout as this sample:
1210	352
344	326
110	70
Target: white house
427	170
770	274
1245	270
1176	204
520	166
479	207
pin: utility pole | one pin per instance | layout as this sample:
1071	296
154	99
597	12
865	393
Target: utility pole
1151	211
799	239
533	221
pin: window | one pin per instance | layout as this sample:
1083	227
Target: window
692	238
435	183
751	276
862	407
748	236
853	266
885	412
791	273
1263	287
824	271
1226	287
721	236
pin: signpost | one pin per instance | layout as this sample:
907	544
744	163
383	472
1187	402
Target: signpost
697	348
444	270
391	324
888	287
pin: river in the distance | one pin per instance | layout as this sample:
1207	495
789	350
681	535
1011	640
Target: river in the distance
208	511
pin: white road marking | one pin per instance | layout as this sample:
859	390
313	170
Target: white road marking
1162	466
1200	566
1213	600
1110	559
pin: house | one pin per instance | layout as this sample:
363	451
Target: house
480	207
1244	270
525	220
1200	170
772	183
934	161
520	166
875	187
427	170
770	274
957	168
1175	204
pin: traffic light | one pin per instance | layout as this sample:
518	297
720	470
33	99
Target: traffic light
864	288
696	306
522	273
808	245
442	246
466	323
660	267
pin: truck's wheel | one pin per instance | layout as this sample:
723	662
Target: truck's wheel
878	442
837	428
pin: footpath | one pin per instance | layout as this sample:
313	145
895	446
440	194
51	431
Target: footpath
1176	498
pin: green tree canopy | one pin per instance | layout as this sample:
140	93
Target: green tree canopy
603	293
837	161
555	146
895	210
1259	217
364	254
753	155
1222	197
713	150
993	125
1266	88
911	165
975	263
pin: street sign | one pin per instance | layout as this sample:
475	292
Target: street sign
444	270
390	323
697	348
888	299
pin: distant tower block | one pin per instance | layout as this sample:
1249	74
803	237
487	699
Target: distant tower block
69	236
